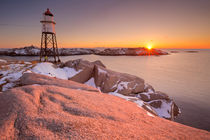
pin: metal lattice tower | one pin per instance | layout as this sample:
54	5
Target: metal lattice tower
49	45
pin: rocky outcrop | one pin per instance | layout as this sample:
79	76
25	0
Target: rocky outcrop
111	81
108	81
159	100
53	112
84	67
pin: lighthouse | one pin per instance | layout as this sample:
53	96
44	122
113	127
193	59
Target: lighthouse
49	45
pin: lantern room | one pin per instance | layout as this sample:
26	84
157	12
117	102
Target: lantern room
48	23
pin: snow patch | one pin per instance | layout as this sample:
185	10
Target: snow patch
149	114
49	69
139	102
2	60
91	82
101	71
122	85
144	93
20	51
11	74
27	62
7	86
150	91
164	110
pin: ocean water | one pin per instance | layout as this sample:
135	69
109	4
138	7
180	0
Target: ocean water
184	76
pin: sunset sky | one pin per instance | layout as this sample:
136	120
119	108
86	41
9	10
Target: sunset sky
108	23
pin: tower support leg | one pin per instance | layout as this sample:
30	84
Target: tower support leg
49	47
41	50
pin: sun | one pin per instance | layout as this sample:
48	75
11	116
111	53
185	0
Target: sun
149	47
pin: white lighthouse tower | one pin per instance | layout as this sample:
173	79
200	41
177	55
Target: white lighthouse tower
48	40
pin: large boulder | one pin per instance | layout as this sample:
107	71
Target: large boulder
160	102
111	81
84	67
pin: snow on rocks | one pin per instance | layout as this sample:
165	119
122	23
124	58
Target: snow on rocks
111	81
11	73
128	86
101	71
160	102
94	74
85	67
140	103
52	70
26	51
3	61
163	109
91	82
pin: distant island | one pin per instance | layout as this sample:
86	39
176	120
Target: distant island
35	51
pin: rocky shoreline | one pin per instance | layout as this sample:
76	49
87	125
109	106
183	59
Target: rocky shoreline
75	100
94	74
35	51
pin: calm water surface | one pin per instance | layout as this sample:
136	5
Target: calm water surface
185	77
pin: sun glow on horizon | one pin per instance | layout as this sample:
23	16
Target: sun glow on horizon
149	47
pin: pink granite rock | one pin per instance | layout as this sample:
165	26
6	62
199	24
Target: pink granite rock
53	112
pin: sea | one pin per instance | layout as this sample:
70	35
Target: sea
183	74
